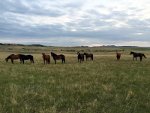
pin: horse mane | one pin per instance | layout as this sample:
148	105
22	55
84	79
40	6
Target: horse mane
43	53
53	53
9	56
132	52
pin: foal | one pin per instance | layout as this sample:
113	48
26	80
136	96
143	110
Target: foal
46	58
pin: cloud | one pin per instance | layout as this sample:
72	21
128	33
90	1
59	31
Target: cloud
75	22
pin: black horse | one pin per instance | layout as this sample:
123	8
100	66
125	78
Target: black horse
88	56
26	57
135	55
58	57
80	57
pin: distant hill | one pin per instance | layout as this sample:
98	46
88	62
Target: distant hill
40	45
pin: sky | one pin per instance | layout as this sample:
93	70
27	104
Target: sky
75	22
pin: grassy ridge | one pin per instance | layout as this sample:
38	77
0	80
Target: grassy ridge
102	86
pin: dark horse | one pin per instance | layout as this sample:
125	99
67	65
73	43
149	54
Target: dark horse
80	57
46	58
88	56
12	57
26	57
135	55
118	55
58	57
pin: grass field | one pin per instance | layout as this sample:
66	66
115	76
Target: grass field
102	86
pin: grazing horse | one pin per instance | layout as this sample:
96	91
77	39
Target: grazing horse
80	57
88	56
26	57
118	55
12	57
135	55
46	58
58	57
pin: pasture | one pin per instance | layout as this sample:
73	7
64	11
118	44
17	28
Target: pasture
104	85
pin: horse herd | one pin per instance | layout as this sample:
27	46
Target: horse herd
46	58
80	56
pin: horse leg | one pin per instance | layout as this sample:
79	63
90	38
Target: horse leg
64	61
22	61
12	61
44	61
55	61
140	58
33	61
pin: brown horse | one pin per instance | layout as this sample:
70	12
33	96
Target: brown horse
58	57
88	56
118	55
46	58
13	57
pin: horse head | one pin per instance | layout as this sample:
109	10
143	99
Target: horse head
78	53
131	53
6	59
52	53
43	54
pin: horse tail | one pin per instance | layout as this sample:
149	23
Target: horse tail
92	56
144	56
32	59
64	58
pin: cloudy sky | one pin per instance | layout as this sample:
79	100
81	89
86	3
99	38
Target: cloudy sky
75	22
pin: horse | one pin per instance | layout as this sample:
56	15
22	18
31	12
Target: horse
58	57
46	58
80	57
118	55
135	55
26	57
12	57
88	55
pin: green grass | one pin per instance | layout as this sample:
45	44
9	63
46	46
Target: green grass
102	86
